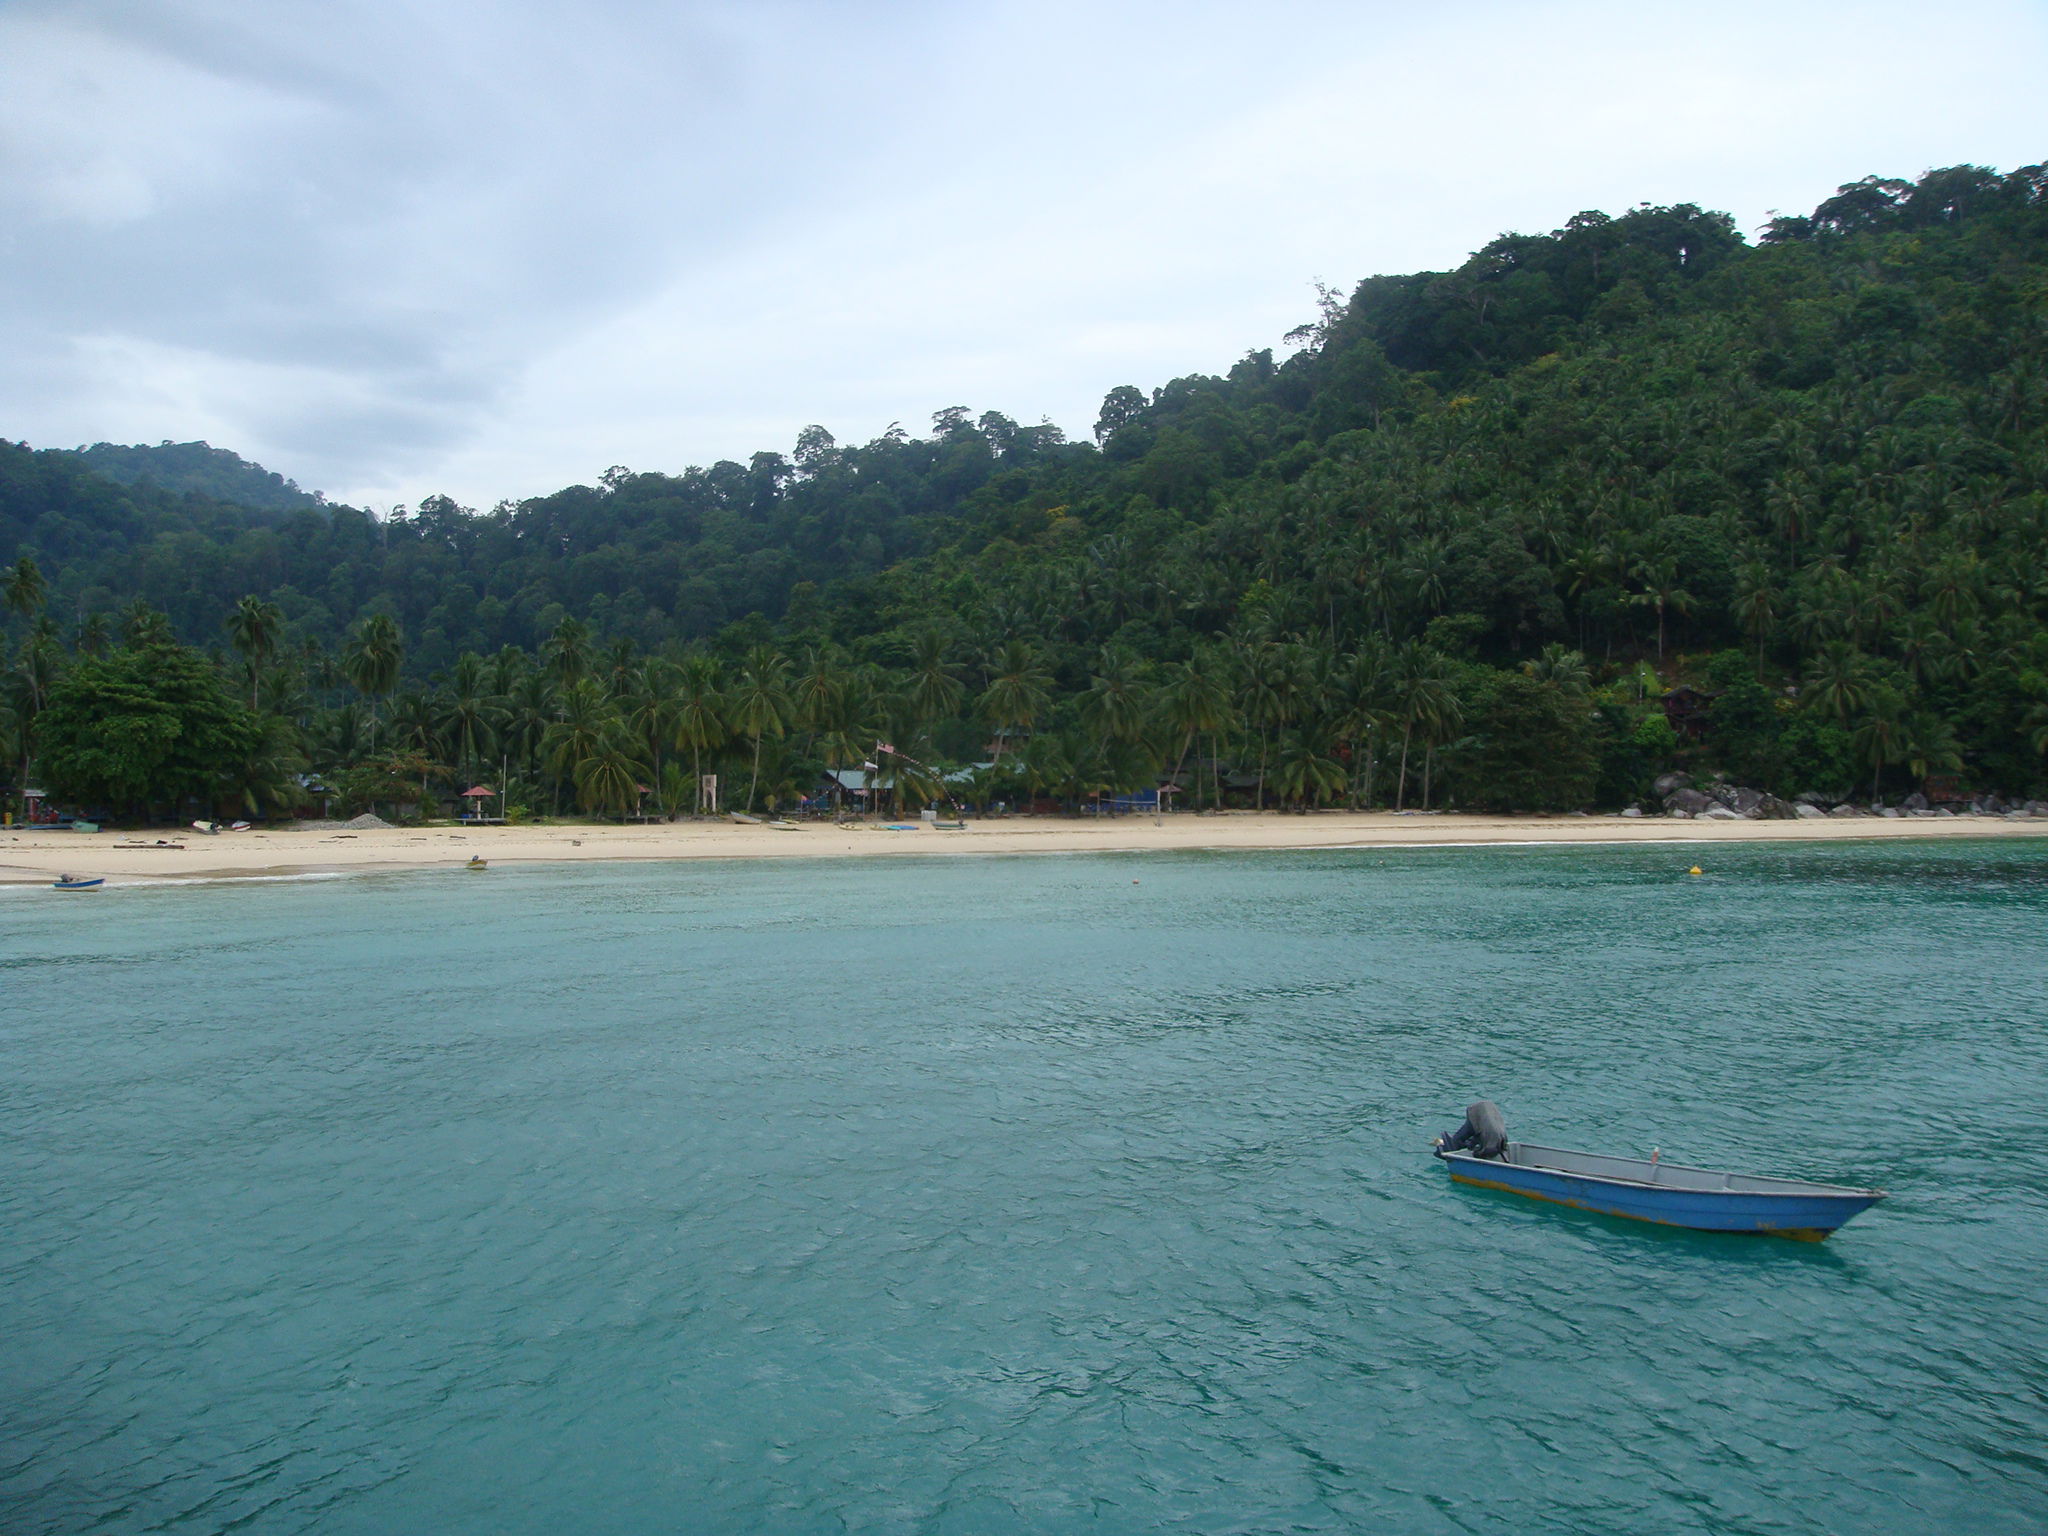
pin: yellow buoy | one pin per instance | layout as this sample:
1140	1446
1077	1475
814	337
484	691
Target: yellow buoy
1694	870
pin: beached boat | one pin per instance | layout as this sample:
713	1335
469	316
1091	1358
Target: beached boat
1673	1194
67	883
477	861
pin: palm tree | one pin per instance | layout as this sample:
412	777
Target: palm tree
1928	745
1756	605
23	589
253	629
1880	735
373	656
1838	681
579	733
567	652
1423	698
1565	668
759	704
1018	692
143	626
1660	578
652	712
1363	707
1261	699
935	691
1113	705
700	713
608	780
529	711
28	687
470	715
1307	772
1193	700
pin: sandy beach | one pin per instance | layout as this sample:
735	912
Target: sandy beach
38	856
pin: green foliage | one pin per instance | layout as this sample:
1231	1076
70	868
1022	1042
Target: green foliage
1581	459
1533	747
148	724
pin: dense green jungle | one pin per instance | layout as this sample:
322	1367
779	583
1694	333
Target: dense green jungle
1633	495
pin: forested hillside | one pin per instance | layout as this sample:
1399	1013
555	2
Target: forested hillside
199	469
1461	541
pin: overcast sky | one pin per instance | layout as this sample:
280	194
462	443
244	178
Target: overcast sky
490	247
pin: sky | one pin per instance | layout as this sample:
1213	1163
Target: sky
490	248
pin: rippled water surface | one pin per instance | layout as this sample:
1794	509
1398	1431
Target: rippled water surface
1031	1194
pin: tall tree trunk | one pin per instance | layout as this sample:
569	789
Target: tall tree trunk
1401	784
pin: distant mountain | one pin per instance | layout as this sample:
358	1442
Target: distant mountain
199	469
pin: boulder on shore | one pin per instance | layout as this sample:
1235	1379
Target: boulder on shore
1690	801
1807	811
1843	812
1666	782
1914	802
1720	813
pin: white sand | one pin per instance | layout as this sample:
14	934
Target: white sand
36	857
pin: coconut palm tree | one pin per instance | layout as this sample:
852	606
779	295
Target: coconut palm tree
584	722
608	779
759	704
1838	681
700	713
471	715
372	658
1421	680
253	629
567	652
935	690
1307	771
1018	692
23	589
1114	704
1193	700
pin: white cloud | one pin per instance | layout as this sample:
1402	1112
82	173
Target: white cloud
490	249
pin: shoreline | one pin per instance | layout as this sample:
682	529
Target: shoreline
37	857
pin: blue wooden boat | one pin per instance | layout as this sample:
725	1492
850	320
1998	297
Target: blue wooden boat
69	884
1673	1194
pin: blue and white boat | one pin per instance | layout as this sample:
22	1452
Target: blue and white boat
1673	1194
72	883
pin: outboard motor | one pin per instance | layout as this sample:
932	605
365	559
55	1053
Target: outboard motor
1484	1133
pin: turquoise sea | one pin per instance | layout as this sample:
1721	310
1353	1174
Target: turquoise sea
1047	1193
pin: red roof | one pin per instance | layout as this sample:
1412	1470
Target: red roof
469	794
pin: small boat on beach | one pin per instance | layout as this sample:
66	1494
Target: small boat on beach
1672	1194
477	861
742	819
72	883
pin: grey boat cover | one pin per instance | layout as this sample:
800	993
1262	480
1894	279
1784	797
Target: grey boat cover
1484	1133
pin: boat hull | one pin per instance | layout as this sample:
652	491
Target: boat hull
1794	1209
